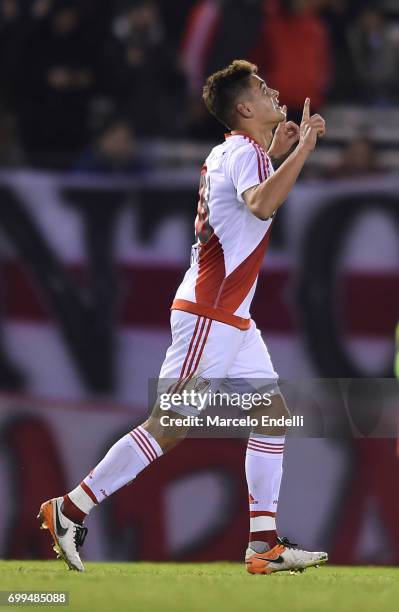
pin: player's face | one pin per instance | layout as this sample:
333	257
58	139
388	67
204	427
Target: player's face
265	102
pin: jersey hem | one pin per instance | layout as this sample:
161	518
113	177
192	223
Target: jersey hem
216	314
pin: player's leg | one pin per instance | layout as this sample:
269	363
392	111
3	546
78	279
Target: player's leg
264	471
197	353
266	552
198	348
130	455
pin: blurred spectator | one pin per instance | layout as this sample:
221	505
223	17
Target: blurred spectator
374	44
286	39
10	10
174	17
67	64
114	151
202	28
228	46
338	14
199	38
55	78
294	53
41	8
210	41
149	83
358	159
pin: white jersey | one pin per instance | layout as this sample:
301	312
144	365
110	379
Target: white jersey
230	240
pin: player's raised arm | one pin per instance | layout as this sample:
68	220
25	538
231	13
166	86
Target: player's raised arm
264	199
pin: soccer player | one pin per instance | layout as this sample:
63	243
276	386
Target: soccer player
213	336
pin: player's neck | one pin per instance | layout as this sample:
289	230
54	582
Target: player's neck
260	135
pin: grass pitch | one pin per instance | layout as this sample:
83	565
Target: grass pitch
203	587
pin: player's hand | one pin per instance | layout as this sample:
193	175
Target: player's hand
285	136
311	128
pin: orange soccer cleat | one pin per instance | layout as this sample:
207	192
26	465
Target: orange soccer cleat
67	535
281	558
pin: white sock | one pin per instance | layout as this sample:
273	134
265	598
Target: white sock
264	470
124	460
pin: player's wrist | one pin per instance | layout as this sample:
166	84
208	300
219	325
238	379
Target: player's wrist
303	149
275	159
273	153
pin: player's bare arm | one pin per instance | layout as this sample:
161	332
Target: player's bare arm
264	199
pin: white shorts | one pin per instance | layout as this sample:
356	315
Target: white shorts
219	354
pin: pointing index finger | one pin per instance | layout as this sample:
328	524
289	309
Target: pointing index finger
306	110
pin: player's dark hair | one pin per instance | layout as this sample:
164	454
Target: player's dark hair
222	89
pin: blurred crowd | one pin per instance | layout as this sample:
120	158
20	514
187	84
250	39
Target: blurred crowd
82	81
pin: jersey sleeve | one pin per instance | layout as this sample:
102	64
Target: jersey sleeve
246	168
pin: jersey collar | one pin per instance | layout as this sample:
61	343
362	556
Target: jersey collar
239	133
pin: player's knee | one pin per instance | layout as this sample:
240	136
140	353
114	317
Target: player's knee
279	406
168	444
277	412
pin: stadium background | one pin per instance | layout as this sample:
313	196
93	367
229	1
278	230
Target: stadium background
102	135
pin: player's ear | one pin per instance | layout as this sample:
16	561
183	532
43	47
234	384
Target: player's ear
244	109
